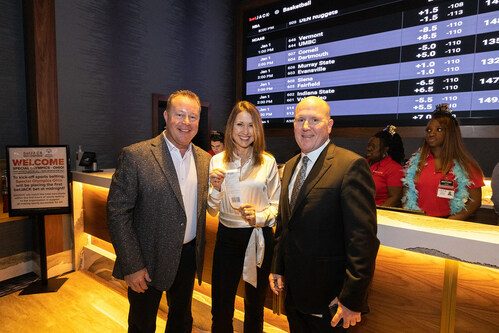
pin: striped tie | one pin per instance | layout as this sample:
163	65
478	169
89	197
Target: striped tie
300	179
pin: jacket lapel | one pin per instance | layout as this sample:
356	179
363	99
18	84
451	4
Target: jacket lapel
320	167
202	176
160	151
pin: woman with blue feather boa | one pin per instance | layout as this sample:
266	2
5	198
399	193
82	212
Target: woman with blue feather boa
442	178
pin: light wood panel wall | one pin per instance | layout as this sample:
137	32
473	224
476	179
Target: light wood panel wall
406	293
94	211
477	301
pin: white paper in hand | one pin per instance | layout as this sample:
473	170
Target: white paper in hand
232	188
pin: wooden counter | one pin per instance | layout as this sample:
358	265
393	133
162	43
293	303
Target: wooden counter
432	274
4	217
458	240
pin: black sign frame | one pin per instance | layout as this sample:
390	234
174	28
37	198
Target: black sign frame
11	151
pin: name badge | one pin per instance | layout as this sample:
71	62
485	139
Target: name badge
446	189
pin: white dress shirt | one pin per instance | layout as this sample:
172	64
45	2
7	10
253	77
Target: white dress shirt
260	187
185	168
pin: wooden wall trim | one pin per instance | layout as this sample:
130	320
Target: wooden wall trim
469	132
41	71
41	86
449	295
156	98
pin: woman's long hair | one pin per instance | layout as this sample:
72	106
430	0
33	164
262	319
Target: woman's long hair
453	147
259	142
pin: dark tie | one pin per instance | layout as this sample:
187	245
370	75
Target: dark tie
300	179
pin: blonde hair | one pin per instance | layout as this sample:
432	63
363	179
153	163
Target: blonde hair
184	93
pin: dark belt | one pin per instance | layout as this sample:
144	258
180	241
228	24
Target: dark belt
191	243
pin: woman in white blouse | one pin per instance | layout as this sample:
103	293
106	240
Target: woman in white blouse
245	189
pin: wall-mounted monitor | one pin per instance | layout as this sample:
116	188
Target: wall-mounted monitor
374	62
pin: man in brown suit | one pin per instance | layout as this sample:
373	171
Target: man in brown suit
326	242
156	213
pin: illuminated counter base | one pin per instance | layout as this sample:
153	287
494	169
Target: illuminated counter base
462	241
96	254
414	292
440	291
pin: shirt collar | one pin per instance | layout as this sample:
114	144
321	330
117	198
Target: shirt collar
171	146
387	159
314	155
237	159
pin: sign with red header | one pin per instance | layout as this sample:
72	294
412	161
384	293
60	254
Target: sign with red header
38	180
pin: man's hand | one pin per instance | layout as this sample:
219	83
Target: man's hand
350	318
137	280
276	283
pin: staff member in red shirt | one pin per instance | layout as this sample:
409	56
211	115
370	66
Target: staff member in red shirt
442	178
385	154
217	143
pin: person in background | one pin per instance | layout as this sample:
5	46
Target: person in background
156	214
326	242
245	236
494	184
385	155
217	143
442	178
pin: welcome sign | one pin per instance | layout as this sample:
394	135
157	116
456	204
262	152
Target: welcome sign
38	180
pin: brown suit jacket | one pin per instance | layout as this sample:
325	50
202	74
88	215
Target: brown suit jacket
326	247
145	212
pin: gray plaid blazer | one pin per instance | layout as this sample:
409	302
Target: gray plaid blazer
145	212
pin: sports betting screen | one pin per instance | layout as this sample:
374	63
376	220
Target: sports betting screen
374	62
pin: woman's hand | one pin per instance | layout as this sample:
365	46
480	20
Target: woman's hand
248	213
217	177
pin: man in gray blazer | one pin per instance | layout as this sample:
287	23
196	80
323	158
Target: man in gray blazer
326	242
156	215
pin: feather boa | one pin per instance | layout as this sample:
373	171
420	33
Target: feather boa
457	204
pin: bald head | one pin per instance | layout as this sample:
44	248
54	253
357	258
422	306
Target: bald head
316	103
312	124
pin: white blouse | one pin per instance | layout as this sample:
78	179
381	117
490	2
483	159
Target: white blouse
260	187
